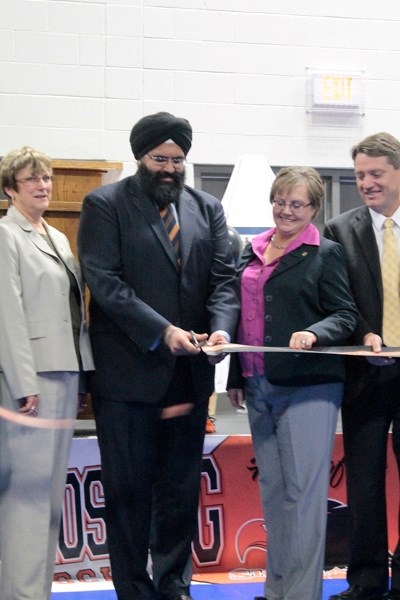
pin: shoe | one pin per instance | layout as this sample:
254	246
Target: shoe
210	425
182	597
390	595
358	592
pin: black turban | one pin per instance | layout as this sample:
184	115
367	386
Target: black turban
153	130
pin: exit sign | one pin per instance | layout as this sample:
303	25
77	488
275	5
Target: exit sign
335	91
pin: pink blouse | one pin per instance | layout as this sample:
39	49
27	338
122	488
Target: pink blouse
252	326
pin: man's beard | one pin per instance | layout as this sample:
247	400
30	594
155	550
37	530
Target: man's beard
162	192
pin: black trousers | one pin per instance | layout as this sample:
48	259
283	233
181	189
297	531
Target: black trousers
365	431
151	472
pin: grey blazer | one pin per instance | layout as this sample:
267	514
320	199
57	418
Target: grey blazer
35	321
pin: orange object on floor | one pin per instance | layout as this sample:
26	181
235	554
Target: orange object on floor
210	425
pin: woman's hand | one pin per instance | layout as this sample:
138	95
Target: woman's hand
302	340
30	406
236	396
216	338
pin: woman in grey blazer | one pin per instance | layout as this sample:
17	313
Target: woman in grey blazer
44	349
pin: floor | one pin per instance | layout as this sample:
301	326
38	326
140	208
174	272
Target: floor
228	591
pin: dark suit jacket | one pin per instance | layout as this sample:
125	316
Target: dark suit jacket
308	290
353	230
137	290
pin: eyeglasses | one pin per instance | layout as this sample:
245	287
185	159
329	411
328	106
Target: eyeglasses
176	161
295	205
34	180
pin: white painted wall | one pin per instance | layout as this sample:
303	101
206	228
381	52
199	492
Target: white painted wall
76	75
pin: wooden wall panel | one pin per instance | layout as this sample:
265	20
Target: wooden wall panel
73	180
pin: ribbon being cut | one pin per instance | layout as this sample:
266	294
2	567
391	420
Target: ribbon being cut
386	354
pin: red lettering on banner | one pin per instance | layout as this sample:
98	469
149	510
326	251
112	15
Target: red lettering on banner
83	529
95	526
208	544
231	534
71	509
106	573
63	577
86	575
71	545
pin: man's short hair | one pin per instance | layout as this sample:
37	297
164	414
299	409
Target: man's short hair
379	144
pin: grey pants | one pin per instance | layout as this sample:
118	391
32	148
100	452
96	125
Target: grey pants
33	465
293	430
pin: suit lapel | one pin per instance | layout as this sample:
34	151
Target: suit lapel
290	260
363	231
41	244
31	232
63	252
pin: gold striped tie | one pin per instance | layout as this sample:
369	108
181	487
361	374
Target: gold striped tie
172	227
391	286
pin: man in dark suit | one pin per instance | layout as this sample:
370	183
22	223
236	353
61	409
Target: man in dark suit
152	384
372	398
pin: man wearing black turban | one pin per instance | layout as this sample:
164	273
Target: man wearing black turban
156	257
153	130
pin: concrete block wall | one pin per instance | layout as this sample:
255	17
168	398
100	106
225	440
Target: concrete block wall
75	75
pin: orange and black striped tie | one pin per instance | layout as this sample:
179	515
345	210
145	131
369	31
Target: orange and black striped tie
172	227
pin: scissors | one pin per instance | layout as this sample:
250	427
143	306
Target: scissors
195	341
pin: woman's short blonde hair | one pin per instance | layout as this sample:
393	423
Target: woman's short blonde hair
289	177
18	159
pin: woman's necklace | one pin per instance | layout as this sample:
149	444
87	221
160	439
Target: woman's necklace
277	246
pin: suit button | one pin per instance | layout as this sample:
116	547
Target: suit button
268	318
268	298
268	339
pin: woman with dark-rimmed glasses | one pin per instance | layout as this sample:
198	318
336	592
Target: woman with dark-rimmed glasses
294	293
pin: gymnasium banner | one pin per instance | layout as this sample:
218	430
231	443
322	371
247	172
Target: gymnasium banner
231	537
